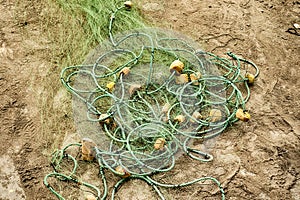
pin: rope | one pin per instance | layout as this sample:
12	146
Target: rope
57	158
148	115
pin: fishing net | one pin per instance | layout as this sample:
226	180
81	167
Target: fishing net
128	99
143	97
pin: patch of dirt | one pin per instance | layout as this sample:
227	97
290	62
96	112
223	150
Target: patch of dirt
254	160
21	63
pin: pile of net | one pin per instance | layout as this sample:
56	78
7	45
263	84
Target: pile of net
143	97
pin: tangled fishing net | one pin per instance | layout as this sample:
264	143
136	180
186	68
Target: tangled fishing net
143	97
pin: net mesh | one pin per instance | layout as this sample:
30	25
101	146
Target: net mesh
146	95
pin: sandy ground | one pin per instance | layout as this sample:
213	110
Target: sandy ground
255	160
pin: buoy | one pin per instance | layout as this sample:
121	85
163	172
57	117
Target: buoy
133	88
196	115
159	143
128	4
250	78
182	79
105	118
122	172
88	149
243	116
176	66
125	71
110	86
179	118
195	77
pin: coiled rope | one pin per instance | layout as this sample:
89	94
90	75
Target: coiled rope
146	112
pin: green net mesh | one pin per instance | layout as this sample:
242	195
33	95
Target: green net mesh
145	96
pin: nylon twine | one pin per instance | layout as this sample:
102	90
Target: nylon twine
149	97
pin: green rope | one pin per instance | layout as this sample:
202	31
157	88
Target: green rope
57	159
132	118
